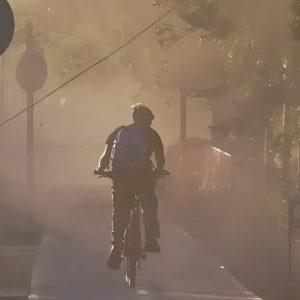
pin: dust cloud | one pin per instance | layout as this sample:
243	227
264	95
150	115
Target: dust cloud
71	126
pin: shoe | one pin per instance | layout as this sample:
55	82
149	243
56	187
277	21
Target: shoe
115	258
151	246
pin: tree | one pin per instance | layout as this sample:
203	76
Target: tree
69	41
255	67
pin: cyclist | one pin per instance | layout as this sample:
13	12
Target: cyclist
133	176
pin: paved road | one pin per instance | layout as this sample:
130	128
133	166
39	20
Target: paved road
72	265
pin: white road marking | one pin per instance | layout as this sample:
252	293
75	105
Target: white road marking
36	297
208	296
142	292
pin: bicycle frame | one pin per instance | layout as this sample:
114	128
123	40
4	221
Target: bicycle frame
132	251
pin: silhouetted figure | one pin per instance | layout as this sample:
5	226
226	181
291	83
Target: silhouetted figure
127	153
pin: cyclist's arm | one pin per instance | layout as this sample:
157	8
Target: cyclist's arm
105	158
160	159
159	152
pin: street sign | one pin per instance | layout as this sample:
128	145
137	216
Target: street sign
32	71
32	68
7	25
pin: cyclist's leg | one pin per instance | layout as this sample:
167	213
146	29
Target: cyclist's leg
122	199
149	204
122	202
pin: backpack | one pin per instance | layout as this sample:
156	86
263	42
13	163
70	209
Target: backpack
129	152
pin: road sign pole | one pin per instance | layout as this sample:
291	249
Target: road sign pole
30	144
31	75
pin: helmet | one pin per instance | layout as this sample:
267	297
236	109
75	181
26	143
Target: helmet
141	112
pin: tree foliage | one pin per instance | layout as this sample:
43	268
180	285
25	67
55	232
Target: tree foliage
70	43
259	75
257	71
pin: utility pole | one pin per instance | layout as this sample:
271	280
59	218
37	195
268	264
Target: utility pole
285	191
183	115
268	168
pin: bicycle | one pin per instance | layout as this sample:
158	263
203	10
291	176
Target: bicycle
132	250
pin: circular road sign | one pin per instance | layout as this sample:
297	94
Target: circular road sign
7	25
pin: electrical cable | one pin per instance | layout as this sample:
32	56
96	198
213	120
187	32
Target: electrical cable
94	64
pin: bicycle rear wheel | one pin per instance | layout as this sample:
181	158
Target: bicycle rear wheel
131	264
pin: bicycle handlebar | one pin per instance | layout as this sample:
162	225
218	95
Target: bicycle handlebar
108	173
161	173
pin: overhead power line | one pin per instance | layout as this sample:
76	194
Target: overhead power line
94	64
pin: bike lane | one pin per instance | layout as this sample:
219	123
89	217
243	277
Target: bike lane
72	265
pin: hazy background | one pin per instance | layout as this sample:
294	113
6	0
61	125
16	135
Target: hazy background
71	125
244	48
